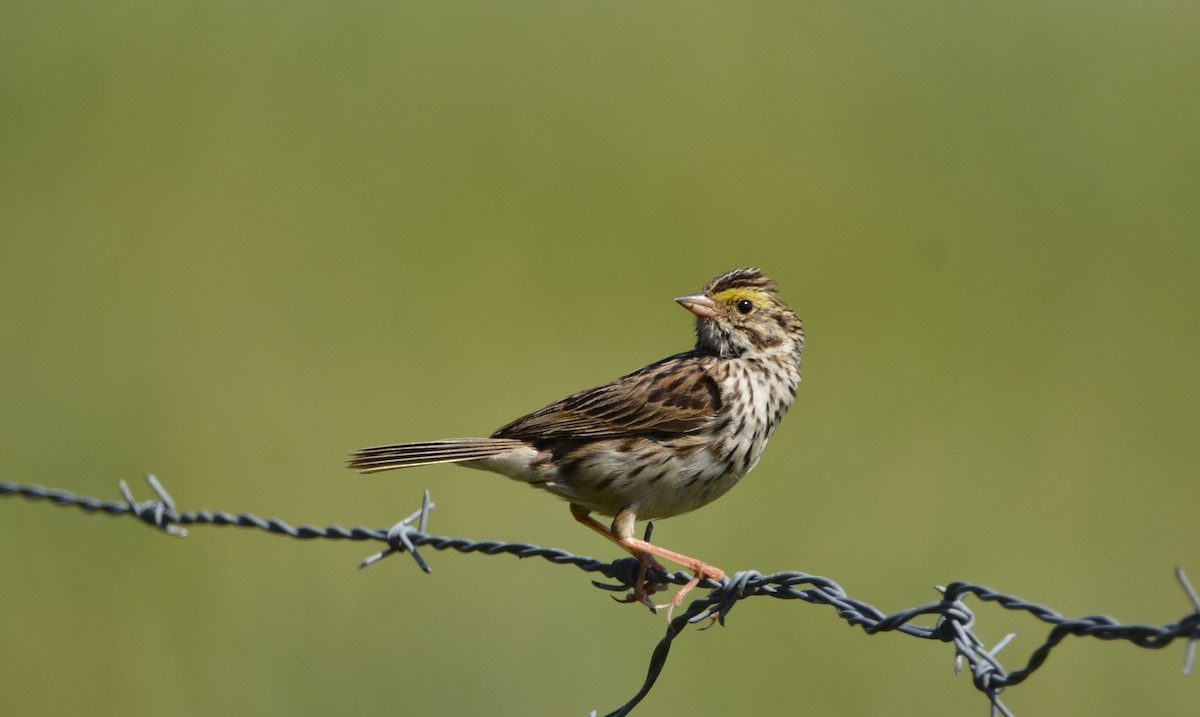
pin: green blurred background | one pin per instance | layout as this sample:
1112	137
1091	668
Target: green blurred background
241	239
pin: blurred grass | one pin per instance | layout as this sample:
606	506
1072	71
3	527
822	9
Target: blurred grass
241	239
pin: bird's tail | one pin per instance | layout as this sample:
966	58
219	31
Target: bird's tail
404	455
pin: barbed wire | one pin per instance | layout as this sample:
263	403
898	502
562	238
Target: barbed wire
954	620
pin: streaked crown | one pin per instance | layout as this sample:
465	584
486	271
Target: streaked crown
748	277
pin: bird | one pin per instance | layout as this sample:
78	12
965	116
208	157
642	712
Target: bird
659	442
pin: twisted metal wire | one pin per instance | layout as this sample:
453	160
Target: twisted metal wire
954	620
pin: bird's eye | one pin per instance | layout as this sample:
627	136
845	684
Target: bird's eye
745	306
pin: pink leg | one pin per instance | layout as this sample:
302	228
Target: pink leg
621	533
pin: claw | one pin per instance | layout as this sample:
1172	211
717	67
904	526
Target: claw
677	599
713	619
644	588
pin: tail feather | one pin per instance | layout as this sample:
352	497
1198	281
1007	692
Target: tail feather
404	455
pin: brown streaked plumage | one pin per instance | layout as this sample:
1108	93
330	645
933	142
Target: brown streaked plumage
658	442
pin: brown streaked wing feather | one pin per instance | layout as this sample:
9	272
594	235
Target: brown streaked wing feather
675	395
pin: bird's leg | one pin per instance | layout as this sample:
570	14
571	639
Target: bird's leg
641	590
622	530
700	570
622	534
622	527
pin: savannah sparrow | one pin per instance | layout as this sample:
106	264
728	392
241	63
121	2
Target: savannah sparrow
661	441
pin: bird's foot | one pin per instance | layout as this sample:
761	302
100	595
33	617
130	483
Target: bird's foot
701	571
643	588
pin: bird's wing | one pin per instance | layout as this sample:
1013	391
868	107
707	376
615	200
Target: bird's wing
675	395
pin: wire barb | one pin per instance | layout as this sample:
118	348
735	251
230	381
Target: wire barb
159	513
954	621
399	540
1189	655
986	671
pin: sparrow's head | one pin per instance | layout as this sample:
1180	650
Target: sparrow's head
739	314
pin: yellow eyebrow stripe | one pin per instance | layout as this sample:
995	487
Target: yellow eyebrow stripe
737	294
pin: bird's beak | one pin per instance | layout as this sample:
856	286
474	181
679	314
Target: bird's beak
699	304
